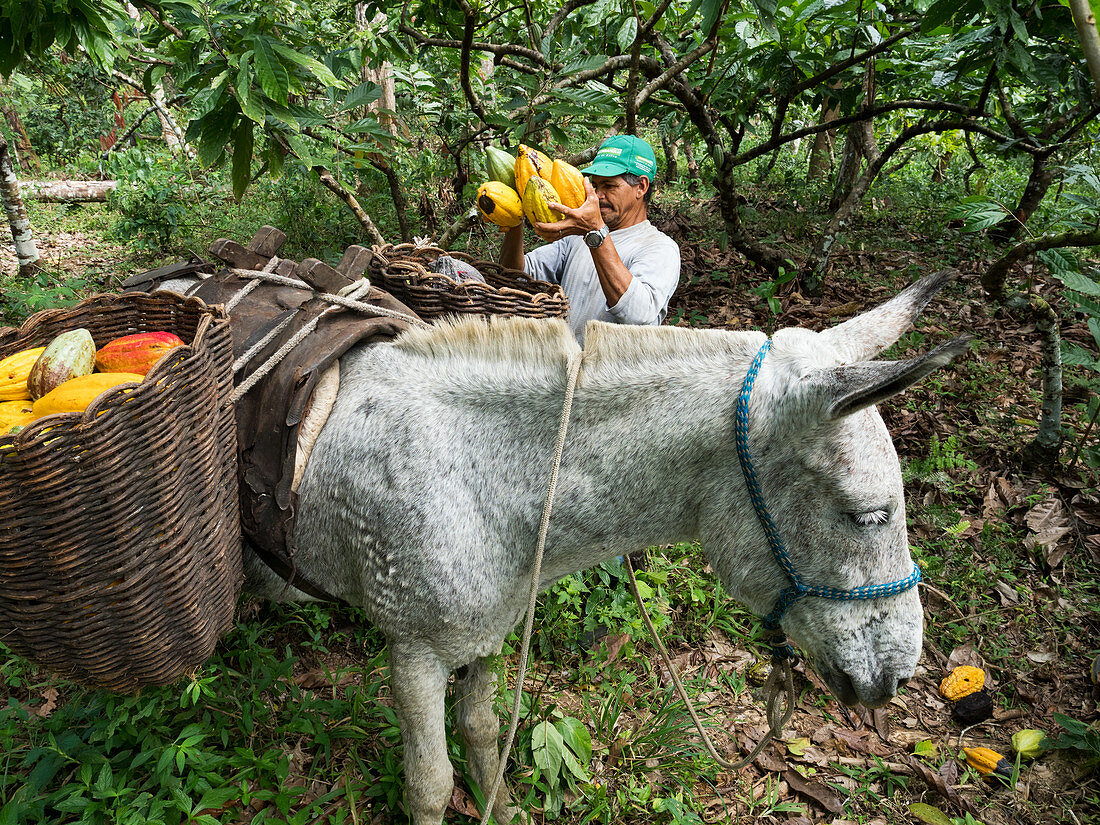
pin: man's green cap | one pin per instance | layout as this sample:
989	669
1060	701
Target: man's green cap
623	154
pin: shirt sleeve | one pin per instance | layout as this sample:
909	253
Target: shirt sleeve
655	274
547	263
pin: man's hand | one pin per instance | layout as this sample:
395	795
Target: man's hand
579	221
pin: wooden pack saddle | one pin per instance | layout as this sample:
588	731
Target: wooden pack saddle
270	413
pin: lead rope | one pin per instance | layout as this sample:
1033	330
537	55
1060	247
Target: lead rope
544	526
780	681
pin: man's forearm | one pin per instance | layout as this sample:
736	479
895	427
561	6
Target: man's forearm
511	250
614	276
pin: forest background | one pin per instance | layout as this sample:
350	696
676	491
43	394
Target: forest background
814	158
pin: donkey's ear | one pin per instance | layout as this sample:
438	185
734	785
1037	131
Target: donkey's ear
840	391
865	336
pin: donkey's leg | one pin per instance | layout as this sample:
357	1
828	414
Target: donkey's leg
474	693
419	688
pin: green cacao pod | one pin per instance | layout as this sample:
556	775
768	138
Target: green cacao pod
69	355
535	201
1028	743
501	166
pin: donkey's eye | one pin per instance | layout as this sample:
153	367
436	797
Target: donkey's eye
870	518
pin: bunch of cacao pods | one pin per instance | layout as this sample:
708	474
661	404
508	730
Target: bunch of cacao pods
524	186
69	373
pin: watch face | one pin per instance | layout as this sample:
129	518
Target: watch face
595	237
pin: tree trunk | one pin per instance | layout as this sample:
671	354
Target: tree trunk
693	168
1038	183
68	191
27	157
859	145
671	147
26	251
848	171
939	171
1044	449
821	152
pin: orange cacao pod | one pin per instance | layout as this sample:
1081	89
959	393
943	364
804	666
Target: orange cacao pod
136	353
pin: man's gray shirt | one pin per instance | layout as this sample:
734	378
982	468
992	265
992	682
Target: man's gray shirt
652	257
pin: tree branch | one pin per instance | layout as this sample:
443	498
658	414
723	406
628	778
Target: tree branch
496	49
333	185
469	28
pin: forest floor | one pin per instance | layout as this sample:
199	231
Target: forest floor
1010	555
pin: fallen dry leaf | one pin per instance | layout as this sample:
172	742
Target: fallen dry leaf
44	710
1049	523
815	790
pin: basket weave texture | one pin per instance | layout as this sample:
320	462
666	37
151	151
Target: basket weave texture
402	270
120	554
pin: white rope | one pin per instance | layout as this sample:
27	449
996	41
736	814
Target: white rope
340	299
259	345
544	526
269	267
267	366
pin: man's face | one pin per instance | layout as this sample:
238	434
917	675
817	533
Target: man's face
618	199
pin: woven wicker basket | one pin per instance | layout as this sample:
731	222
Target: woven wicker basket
120	554
402	270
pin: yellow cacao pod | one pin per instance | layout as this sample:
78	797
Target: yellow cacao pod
15	414
499	204
962	681
13	374
988	762
535	198
568	182
77	393
531	163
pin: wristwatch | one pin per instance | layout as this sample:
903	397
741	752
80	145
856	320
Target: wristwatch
596	236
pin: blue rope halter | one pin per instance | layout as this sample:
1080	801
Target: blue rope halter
797	588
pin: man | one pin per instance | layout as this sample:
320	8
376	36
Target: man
612	263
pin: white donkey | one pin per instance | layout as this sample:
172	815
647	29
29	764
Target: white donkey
422	496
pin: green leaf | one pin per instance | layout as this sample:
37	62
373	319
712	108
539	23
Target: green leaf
547	747
926	813
217	798
926	749
242	157
576	737
274	79
1094	328
940	12
627	33
1080	283
361	95
315	67
251	107
300	148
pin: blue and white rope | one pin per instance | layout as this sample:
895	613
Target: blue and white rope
797	588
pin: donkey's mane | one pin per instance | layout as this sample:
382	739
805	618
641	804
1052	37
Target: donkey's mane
549	341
